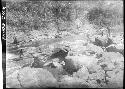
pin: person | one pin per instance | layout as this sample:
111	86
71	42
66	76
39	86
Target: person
21	53
15	42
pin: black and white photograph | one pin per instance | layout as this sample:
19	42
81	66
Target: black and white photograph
62	43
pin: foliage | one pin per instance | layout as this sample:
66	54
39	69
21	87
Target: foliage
35	15
105	17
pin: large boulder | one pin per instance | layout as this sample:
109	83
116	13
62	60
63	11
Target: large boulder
74	63
113	64
12	80
36	78
82	60
82	73
115	79
72	82
112	57
57	73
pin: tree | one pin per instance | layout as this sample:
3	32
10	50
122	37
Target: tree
105	17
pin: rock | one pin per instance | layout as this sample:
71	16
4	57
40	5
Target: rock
59	53
57	65
116	48
78	49
82	73
119	66
11	64
10	56
82	60
94	68
110	66
11	70
77	46
118	39
70	66
103	41
98	75
94	84
21	63
113	57
116	80
46	79
111	73
36	78
12	80
57	73
27	61
72	82
94	48
53	63
31	50
74	63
